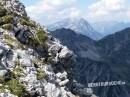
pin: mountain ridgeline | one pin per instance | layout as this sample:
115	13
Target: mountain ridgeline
116	50
99	61
79	25
109	27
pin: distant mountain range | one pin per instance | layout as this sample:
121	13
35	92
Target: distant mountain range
79	25
109	27
97	61
94	31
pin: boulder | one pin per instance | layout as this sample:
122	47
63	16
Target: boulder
25	62
3	73
55	48
63	83
14	6
51	90
65	53
62	76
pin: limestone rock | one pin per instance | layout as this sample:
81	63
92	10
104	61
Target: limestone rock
3	73
25	58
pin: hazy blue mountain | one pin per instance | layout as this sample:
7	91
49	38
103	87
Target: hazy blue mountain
79	25
116	49
104	60
109	27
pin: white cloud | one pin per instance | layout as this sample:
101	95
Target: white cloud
70	12
74	12
128	13
107	10
48	11
52	9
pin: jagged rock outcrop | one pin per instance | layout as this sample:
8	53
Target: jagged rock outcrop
30	56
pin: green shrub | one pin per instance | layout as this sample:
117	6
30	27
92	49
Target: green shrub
41	74
9	40
7	26
7	19
10	45
42	36
8	37
33	41
18	72
25	18
16	88
2	89
27	22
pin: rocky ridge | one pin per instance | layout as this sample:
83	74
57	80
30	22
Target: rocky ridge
32	62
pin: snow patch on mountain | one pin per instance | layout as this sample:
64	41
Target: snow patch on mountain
79	25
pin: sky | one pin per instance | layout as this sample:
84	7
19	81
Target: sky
50	11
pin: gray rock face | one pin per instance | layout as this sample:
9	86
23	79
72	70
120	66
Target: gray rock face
14	6
24	57
60	53
7	95
3	73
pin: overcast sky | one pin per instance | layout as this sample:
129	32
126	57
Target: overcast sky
49	11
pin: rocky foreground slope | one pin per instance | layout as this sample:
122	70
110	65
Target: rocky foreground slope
32	62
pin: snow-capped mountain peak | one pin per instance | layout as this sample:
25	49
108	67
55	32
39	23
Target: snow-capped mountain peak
79	25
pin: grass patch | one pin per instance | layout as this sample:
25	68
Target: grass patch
41	74
7	19
10	40
13	85
26	21
8	37
16	88
7	26
18	72
2	89
42	37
